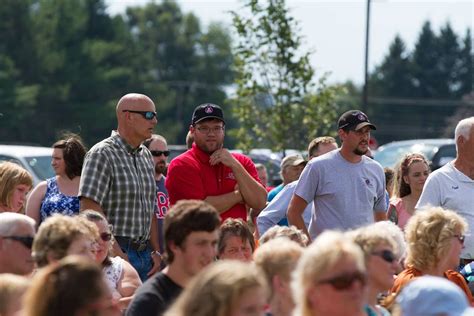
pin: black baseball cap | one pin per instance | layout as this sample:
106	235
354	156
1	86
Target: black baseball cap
207	111
354	120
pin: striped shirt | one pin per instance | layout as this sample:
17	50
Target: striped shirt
121	179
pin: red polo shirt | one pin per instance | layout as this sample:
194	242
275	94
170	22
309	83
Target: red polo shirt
190	176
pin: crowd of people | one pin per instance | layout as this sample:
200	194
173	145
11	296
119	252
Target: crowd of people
120	231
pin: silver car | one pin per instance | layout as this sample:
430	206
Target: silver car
37	160
438	151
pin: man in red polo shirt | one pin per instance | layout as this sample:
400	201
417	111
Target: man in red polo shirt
209	172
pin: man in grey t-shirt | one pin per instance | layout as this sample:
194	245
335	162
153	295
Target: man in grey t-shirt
346	187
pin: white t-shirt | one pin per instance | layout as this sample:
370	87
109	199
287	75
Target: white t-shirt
451	189
345	194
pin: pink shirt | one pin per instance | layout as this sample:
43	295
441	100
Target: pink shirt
401	213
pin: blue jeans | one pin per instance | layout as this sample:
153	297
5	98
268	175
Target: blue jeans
140	260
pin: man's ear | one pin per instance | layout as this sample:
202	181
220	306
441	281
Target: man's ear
341	133
173	247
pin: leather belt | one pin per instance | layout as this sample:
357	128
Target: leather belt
135	244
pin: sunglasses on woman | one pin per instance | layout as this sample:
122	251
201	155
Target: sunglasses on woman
345	281
26	241
105	236
386	255
461	238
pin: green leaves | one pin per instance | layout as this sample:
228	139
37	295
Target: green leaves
276	101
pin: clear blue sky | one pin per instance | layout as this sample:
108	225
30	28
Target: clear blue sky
335	30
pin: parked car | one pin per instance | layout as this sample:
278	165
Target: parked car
37	160
272	165
176	150
438	151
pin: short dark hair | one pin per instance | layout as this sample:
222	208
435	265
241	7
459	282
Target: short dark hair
74	152
234	227
185	217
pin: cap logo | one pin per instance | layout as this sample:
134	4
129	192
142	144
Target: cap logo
208	109
361	117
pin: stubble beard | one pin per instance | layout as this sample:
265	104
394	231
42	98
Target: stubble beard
160	168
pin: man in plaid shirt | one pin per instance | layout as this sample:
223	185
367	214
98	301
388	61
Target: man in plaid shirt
118	180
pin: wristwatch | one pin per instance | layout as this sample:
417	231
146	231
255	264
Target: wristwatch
156	252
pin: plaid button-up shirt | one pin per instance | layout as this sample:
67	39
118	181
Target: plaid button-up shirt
121	179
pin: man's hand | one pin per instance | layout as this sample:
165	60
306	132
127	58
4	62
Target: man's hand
156	257
222	156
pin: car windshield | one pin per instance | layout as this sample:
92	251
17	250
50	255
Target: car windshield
41	165
390	155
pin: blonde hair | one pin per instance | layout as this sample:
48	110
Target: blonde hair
277	257
57	233
428	234
12	287
12	175
290	232
396	234
370	237
216	290
318	259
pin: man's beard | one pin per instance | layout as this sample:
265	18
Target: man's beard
359	152
160	168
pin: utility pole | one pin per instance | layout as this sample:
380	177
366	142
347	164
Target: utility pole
365	94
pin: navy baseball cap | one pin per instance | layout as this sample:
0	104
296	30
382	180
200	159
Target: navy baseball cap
354	120
207	111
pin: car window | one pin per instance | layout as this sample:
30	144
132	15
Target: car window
391	155
444	155
10	159
41	166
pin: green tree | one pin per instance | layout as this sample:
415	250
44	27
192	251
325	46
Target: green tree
465	67
80	70
277	102
178	63
449	57
394	76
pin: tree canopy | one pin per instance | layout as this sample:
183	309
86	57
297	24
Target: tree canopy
278	102
64	64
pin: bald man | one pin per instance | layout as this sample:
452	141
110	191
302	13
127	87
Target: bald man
118	179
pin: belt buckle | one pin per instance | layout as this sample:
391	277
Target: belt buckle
141	246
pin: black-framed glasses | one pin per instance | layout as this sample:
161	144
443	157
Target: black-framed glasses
158	153
26	241
148	115
386	255
345	281
105	236
461	238
207	130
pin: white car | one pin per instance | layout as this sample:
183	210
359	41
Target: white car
37	160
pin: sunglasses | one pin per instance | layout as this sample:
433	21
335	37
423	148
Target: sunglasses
148	115
158	153
386	255
105	236
345	281
461	238
26	241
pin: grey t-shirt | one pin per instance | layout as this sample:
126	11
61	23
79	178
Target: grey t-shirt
345	194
